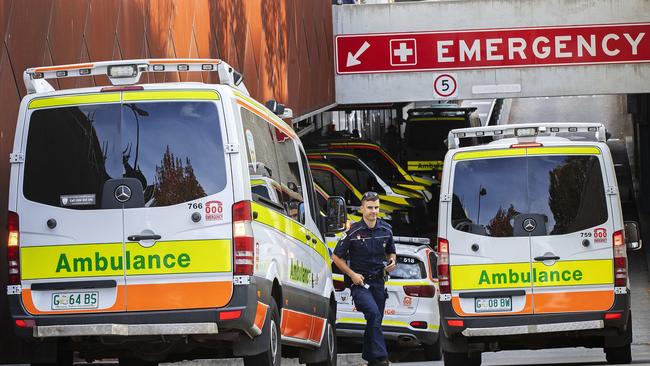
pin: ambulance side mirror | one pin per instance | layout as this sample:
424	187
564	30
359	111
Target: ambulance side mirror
336	215
632	239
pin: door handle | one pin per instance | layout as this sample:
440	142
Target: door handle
547	258
144	237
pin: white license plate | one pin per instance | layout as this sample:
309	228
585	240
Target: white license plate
487	304
75	300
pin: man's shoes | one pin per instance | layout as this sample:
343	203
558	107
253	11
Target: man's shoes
382	362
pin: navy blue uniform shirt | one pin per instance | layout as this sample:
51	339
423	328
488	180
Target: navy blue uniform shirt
366	248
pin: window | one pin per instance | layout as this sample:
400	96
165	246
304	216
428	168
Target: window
310	192
378	162
262	162
489	193
358	175
335	187
408	268
175	149
290	181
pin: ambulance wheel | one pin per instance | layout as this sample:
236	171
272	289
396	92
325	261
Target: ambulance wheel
462	359
619	355
329	341
433	352
273	354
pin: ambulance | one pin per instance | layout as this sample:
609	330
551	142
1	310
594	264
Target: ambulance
532	243
138	229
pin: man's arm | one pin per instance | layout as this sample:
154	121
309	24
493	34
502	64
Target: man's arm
357	279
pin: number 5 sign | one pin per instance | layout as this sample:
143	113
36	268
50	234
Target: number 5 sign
445	86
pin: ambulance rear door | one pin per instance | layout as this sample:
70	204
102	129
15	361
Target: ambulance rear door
489	260
177	221
70	235
571	253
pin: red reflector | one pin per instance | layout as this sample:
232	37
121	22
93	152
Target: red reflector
241	211
530	144
121	88
612	316
420	290
229	315
21	323
419	324
456	323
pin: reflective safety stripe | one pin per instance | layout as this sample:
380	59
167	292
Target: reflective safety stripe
560	150
390	323
131	96
406	283
98	260
278	221
414	165
517	275
581	150
480	154
393	199
257	182
65	100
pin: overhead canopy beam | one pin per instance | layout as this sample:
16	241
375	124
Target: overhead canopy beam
475	49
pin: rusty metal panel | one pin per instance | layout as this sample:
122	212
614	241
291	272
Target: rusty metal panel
283	48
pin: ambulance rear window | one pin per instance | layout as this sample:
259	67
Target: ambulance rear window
489	193
174	149
408	268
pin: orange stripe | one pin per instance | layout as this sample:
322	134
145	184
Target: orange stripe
317	329
528	308
260	315
64	67
282	127
119	305
573	301
170	296
295	324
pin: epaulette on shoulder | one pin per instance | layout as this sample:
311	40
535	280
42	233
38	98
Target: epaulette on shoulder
386	225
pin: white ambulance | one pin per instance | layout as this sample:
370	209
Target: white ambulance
136	232
532	243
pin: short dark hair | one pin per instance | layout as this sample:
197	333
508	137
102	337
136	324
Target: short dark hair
369	196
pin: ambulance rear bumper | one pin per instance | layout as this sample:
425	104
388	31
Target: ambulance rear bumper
478	326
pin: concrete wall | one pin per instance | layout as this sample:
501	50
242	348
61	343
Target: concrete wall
283	48
490	14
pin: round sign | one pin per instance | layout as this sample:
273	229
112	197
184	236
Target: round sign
445	85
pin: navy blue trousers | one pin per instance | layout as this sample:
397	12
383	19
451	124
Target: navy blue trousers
371	303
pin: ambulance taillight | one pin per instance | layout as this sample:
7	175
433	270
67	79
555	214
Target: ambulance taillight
620	259
443	266
242	234
12	248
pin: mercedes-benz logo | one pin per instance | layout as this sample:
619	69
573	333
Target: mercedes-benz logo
529	225
122	193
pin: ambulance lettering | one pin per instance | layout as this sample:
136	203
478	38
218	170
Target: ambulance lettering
515	275
99	263
213	211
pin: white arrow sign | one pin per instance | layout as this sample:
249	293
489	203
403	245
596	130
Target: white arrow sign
353	60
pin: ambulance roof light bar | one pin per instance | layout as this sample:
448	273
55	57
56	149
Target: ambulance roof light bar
128	72
597	130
